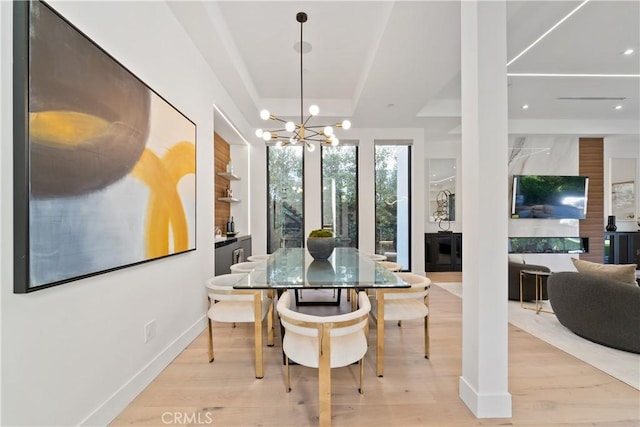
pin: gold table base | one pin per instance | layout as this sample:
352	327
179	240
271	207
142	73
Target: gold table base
538	275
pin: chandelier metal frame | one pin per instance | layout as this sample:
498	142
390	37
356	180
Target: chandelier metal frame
301	133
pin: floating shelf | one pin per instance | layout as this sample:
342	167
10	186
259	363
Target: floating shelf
229	176
228	199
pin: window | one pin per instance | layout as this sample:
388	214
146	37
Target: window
285	198
340	193
393	236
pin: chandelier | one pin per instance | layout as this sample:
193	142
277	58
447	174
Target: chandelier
301	133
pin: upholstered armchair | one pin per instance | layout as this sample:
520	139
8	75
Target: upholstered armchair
516	265
398	305
390	265
230	305
247	266
324	342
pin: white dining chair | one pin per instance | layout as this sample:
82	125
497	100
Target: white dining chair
324	342
377	257
247	266
258	257
400	304
391	266
230	305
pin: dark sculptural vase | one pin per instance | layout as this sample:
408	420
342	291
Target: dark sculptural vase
320	247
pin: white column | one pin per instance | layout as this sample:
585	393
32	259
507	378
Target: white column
312	190
257	194
366	193
484	381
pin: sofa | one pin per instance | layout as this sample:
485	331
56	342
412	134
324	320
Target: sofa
516	265
599	309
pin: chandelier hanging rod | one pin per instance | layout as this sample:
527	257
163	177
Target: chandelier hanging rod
301	17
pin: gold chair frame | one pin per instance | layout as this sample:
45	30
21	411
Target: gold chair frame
324	364
379	319
258	321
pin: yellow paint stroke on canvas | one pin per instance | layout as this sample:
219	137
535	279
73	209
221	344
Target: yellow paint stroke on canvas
164	210
68	128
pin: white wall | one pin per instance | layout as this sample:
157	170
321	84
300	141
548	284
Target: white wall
75	354
240	211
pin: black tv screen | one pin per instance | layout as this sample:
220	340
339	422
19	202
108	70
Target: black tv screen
549	196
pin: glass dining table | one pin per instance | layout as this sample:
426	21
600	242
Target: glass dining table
295	268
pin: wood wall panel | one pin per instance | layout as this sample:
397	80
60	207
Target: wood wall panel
591	159
221	155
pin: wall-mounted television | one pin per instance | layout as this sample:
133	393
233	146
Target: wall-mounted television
549	196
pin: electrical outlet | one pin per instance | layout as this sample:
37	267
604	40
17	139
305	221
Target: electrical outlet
149	330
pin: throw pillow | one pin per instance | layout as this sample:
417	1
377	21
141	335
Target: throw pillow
623	273
518	259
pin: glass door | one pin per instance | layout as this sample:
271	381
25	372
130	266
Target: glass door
285	197
393	202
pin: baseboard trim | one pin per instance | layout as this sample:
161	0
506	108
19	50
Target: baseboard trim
494	405
118	401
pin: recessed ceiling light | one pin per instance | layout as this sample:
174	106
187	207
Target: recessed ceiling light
628	52
306	47
618	107
525	107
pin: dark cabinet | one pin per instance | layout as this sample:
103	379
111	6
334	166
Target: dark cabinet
622	248
443	252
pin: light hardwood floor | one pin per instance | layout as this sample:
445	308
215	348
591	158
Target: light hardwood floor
548	387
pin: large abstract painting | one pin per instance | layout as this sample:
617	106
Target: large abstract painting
104	167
